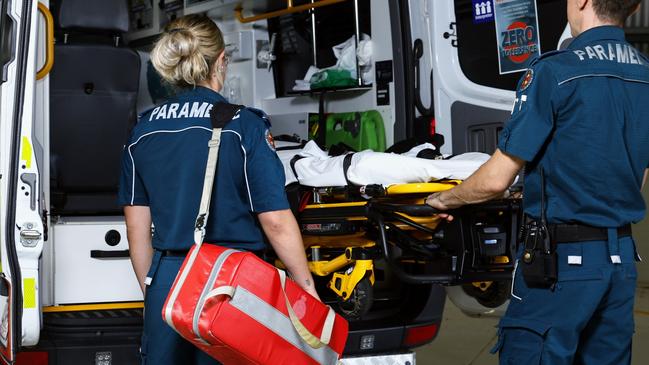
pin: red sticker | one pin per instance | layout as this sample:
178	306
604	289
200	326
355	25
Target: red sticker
527	80
269	140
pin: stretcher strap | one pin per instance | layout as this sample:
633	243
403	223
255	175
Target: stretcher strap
306	335
347	163
208	183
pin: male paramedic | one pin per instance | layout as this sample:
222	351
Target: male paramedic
580	126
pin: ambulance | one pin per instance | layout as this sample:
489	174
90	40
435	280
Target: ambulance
76	73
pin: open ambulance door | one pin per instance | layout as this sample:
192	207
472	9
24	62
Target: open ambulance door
21	232
474	88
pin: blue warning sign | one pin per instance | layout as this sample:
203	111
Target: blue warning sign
483	11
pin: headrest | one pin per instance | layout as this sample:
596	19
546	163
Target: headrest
106	15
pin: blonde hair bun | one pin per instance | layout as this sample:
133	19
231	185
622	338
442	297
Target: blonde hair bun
187	50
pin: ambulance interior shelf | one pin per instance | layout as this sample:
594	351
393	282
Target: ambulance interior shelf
306	40
319	92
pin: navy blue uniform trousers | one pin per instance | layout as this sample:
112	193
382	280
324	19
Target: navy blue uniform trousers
161	345
587	318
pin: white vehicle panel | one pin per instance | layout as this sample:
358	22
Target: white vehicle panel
82	279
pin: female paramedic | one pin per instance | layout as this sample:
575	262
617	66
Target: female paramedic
162	175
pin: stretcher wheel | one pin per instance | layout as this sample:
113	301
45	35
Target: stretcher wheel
492	295
359	303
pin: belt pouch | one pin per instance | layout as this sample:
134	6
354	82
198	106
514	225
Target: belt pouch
539	261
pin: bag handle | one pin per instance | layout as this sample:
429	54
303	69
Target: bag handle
308	337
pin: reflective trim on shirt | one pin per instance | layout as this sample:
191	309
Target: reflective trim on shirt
603	75
146	135
245	163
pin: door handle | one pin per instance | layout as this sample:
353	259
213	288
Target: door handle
49	42
111	254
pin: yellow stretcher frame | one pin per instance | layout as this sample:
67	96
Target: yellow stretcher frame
343	283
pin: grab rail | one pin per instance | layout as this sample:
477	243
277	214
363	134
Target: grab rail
290	9
49	42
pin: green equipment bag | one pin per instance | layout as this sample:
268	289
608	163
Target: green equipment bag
332	78
358	130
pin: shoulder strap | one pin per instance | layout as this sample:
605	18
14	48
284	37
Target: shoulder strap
220	115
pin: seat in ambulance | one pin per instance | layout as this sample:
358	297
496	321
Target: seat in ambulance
93	93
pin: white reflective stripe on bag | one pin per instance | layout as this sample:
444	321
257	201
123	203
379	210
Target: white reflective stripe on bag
275	321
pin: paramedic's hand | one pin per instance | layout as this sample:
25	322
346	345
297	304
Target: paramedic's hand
311	290
436	201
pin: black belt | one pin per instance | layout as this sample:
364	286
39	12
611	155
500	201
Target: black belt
183	253
565	233
174	253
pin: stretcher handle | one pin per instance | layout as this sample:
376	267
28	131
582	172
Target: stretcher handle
415	210
308	337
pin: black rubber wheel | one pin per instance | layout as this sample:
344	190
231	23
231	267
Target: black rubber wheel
493	296
359	303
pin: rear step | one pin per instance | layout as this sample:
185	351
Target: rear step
100	337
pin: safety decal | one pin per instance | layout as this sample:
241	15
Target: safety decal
527	79
269	140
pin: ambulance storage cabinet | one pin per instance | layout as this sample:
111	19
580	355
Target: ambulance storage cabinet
92	262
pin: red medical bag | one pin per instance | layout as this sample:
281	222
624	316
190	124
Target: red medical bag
241	310
233	305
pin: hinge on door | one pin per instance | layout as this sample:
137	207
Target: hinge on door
452	34
45	227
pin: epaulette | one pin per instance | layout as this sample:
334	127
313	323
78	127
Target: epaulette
260	113
547	55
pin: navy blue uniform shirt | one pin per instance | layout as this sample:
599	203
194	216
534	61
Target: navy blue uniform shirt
163	167
583	114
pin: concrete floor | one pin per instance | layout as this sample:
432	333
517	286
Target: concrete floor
466	340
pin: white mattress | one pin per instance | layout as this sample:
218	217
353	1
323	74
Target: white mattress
317	169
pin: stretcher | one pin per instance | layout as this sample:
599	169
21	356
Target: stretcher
351	228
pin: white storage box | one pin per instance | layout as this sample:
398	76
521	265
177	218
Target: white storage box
91	263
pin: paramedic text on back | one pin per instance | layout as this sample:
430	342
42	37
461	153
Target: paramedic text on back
581	116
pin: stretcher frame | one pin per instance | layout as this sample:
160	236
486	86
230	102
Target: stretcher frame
347	229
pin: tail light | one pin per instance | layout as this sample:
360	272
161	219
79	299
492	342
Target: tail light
419	335
432	127
32	358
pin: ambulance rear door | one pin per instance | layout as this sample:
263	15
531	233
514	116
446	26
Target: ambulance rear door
21	232
473	89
